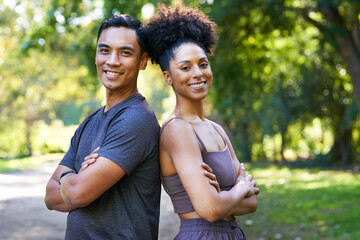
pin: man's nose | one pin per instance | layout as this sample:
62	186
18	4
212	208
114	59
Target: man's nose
113	59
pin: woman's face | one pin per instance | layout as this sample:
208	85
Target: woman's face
189	72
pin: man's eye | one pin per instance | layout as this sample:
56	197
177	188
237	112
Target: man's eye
103	50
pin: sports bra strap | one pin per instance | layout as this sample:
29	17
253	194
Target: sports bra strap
218	133
165	123
200	141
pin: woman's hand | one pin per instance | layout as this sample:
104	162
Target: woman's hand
250	185
90	159
209	173
246	180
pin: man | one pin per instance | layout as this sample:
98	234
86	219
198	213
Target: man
116	196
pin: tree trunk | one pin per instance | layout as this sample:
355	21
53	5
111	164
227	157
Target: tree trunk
347	48
341	151
283	160
350	55
245	144
28	136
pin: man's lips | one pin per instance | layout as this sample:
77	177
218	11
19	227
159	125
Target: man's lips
114	73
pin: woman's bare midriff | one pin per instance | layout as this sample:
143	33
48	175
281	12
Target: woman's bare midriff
190	215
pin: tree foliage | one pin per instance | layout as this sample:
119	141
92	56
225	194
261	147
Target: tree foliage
286	72
47	62
283	62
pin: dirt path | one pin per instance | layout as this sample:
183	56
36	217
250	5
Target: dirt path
23	214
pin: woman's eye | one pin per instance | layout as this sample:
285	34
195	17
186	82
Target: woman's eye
204	65
185	68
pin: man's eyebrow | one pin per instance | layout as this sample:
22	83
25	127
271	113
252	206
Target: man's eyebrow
127	48
120	48
103	45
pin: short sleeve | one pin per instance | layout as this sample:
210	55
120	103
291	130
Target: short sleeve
69	158
130	138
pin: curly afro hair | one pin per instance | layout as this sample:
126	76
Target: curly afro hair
171	27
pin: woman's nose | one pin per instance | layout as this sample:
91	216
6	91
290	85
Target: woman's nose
197	72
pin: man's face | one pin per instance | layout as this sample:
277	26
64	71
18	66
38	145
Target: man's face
119	59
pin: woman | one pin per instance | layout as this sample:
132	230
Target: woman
179	40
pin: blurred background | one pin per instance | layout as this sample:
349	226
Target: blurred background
286	89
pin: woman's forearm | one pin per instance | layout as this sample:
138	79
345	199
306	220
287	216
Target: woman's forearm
247	205
223	204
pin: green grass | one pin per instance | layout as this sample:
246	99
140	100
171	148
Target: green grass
295	204
19	164
304	204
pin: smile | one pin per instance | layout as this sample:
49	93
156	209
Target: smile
197	85
112	73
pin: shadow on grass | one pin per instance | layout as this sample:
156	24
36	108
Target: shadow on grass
321	162
306	203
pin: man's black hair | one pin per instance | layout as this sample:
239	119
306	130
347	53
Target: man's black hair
126	21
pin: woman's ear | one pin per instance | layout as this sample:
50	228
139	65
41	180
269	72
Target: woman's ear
167	78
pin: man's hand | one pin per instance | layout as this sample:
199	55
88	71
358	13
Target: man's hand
90	159
209	173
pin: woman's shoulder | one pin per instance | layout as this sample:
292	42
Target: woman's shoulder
175	125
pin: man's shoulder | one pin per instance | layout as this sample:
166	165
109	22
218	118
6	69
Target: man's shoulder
141	110
140	119
92	115
87	119
138	112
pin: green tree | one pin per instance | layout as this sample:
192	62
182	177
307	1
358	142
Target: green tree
275	67
38	69
55	43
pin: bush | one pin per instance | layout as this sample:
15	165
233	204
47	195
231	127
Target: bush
53	138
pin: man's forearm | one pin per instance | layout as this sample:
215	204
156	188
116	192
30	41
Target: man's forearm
83	188
54	200
69	191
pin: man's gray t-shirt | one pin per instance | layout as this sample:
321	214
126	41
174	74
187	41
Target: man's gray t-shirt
128	135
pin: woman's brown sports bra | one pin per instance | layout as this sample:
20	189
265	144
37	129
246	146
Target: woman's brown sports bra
219	161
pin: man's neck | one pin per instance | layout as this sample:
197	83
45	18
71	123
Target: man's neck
113	98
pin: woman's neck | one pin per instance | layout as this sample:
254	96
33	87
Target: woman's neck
190	110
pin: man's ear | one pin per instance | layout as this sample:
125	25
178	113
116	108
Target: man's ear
167	77
144	60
